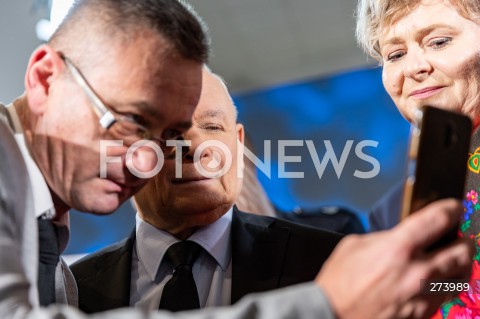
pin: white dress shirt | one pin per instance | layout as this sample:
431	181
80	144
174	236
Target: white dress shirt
212	270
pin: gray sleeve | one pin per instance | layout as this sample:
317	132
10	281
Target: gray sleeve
16	269
303	301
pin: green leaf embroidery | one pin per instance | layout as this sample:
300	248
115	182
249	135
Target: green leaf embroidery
465	226
448	305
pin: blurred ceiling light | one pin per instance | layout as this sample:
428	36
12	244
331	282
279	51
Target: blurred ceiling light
58	10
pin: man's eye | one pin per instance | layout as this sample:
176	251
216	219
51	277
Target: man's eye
137	118
212	127
132	117
171	134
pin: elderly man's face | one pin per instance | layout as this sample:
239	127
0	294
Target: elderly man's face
180	204
139	79
430	58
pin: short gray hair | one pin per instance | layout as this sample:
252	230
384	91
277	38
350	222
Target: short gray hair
175	20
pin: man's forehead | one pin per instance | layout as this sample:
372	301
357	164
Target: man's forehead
213	113
215	101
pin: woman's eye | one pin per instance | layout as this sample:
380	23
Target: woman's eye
395	56
439	42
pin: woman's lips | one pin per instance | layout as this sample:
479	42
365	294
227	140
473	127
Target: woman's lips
425	92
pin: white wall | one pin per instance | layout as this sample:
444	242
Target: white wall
17	41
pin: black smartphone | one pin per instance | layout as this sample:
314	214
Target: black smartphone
437	160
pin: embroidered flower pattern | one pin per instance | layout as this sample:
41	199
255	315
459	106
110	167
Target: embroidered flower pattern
467	304
472	196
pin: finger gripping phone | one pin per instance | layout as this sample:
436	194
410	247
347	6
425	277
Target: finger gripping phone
437	159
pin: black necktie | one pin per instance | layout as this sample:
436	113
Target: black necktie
180	292
48	259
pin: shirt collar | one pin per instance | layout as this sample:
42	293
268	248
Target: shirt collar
42	199
214	238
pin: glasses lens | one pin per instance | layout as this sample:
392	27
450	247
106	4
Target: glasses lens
130	133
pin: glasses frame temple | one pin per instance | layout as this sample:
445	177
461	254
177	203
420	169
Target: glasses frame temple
107	119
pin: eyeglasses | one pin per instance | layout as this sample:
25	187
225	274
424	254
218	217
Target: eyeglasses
122	127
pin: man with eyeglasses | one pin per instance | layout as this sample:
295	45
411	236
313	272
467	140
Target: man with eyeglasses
127	70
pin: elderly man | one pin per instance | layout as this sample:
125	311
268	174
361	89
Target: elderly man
140	77
241	253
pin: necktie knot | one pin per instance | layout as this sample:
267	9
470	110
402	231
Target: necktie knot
183	253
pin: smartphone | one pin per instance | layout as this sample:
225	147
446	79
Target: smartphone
437	159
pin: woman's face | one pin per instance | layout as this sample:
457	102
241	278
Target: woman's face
432	57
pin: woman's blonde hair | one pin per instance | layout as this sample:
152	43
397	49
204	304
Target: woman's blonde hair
373	16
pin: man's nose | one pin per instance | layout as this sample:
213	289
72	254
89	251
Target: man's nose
195	141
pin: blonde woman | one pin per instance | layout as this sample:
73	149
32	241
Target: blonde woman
429	54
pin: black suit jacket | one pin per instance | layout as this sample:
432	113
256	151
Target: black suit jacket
267	253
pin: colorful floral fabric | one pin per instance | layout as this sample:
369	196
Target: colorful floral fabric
467	304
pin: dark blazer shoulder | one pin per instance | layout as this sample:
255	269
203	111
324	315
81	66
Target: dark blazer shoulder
270	253
103	278
103	257
301	232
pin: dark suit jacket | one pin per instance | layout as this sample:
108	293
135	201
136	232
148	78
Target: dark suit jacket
267	253
334	218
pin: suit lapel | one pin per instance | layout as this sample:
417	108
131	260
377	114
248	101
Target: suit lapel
258	252
114	275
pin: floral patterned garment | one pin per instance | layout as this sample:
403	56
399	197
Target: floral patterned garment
467	304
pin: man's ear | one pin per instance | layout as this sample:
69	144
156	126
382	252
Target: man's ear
240	149
44	66
240	133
